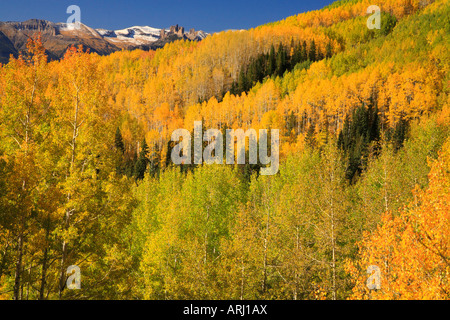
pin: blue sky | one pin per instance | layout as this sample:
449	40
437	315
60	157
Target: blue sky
204	15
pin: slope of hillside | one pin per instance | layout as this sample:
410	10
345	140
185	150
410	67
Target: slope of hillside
364	69
6	48
87	177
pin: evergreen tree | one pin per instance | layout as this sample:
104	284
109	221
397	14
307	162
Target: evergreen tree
118	142
234	89
251	74
400	132
310	139
130	164
281	60
312	51
271	63
304	52
298	55
260	68
154	160
356	137
119	157
329	50
243	84
319	54
142	162
388	23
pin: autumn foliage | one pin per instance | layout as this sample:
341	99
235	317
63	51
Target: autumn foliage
412	246
86	176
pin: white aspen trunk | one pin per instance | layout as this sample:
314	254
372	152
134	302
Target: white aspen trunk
75	124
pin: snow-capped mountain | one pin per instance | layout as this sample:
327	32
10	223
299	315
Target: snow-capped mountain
145	35
137	35
57	37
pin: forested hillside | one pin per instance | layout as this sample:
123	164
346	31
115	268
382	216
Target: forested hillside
364	179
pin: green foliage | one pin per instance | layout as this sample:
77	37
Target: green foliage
357	137
277	63
77	190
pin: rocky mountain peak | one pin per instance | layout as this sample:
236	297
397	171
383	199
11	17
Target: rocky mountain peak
57	37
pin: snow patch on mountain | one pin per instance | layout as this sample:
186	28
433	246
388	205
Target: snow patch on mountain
144	35
77	28
137	34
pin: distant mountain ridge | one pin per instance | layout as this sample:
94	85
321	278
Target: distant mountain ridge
57	37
